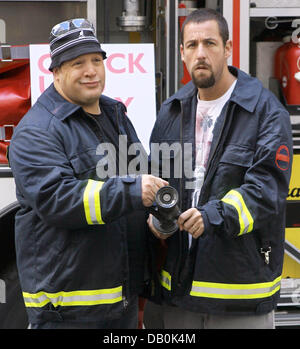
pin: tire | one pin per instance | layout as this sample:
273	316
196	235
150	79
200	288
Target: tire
12	309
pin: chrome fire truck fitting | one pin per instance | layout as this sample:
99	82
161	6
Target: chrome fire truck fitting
131	20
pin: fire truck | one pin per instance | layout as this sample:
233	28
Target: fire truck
265	44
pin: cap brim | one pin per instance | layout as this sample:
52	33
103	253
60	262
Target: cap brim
76	51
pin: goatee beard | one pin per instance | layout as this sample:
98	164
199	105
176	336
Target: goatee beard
204	82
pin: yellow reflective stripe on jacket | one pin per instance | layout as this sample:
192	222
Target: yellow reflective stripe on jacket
74	298
235	291
235	199
91	201
165	280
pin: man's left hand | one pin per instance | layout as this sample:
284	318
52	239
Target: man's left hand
192	222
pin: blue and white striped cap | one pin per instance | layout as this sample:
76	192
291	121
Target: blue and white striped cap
72	44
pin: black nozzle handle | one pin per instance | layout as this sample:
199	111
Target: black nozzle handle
154	211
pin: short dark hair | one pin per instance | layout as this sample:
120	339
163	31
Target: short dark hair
207	14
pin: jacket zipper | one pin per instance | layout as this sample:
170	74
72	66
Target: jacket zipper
97	129
177	270
181	144
124	298
117	113
99	136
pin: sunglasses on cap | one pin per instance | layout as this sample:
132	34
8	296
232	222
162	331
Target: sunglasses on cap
70	25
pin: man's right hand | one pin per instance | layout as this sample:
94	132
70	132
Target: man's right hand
150	186
154	231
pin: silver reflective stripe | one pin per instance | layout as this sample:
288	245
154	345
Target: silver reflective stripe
243	215
235	199
165	279
40	301
235	291
86	300
74	298
91	201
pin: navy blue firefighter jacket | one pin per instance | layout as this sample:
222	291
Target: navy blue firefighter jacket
242	201
72	228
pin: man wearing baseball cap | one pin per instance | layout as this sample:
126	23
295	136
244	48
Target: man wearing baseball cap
80	231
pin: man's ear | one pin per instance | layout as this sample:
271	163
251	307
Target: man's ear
182	52
56	72
228	49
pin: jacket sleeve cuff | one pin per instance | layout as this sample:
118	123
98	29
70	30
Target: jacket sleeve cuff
207	226
135	191
212	216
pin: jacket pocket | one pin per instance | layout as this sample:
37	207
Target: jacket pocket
232	167
250	245
237	155
86	161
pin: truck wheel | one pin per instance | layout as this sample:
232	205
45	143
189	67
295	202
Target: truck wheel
12	309
12	312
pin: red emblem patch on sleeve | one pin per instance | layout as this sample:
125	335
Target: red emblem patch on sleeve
282	158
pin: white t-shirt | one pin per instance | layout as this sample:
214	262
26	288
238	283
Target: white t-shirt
206	116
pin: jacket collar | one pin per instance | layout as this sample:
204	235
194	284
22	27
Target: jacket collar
246	92
61	108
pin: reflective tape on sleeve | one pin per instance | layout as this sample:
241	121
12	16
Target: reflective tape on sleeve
74	298
91	201
235	199
165	280
235	291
